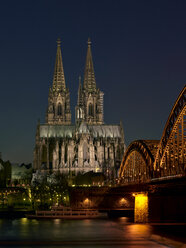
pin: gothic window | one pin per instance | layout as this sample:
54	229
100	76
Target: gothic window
108	152
96	108
90	109
59	109
60	152
85	152
44	154
65	106
66	153
118	152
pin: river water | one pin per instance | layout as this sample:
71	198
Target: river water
98	233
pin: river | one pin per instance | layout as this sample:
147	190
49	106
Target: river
99	233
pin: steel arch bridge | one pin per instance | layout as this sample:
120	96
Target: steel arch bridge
148	159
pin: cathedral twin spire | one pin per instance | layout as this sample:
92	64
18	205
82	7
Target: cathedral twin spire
59	77
90	99
58	111
89	83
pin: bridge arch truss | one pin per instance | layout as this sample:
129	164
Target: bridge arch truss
170	158
138	160
147	159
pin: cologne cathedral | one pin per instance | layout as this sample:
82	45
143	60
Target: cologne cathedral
87	145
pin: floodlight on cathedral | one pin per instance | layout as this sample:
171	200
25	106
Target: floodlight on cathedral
87	145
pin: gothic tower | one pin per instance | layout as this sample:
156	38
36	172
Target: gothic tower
58	111
87	145
90	99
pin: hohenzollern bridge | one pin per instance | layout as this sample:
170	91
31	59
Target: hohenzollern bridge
152	175
146	160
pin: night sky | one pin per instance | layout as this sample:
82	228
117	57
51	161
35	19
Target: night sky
139	54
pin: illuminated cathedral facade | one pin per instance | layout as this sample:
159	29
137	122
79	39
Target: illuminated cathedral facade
87	145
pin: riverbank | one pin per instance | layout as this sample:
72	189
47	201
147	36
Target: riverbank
167	241
14	213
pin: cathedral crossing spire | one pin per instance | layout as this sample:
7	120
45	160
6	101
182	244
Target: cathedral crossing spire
89	76
80	101
59	77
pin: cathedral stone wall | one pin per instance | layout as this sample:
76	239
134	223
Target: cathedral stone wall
80	150
87	145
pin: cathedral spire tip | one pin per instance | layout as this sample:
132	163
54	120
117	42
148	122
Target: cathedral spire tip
89	41
59	77
89	82
58	42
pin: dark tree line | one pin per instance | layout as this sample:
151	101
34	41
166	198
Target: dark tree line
5	173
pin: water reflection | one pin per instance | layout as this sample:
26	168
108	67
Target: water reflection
60	230
57	221
24	221
124	220
73	233
139	230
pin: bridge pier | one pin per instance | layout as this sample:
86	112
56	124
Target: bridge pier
141	207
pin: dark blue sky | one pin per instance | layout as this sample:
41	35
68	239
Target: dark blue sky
139	53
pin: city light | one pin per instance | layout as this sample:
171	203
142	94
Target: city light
123	202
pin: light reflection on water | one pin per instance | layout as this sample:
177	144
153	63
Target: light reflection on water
103	230
139	230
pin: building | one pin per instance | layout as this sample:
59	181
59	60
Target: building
87	145
21	174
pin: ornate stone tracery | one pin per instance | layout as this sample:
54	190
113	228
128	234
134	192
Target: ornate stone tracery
87	145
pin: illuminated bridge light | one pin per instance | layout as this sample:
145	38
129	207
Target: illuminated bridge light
123	202
141	208
87	202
